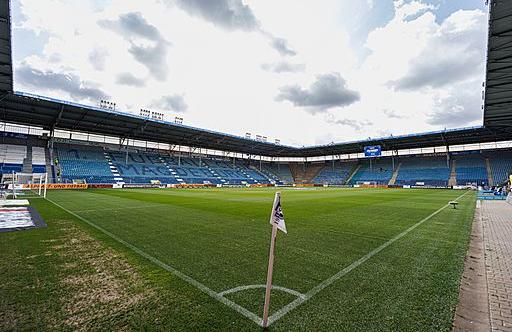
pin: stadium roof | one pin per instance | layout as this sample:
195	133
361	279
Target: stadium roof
5	47
498	93
48	113
28	109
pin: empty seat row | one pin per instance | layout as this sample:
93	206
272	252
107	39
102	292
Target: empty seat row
335	174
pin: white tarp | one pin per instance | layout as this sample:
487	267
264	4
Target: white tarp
15	217
14	202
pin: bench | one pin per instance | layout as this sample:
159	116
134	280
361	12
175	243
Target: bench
454	204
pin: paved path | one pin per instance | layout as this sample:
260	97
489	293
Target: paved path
497	226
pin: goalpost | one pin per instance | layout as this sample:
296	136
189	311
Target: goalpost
25	185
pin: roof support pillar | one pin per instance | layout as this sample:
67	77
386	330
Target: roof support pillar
50	145
447	155
127	142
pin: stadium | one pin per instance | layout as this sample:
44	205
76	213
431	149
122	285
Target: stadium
118	221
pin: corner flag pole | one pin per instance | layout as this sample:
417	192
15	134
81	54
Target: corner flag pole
270	269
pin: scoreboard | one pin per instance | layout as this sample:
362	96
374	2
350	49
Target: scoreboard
373	151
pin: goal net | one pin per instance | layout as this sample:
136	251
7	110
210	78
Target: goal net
24	185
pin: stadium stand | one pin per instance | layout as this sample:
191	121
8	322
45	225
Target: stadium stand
304	173
140	167
12	157
38	160
336	174
104	164
279	173
379	171
471	169
83	163
431	171
98	165
500	165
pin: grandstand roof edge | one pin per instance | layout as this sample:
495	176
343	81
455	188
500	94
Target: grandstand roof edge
30	109
31	95
498	85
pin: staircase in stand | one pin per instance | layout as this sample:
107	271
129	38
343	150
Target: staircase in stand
354	171
453	174
269	177
392	181
27	162
490	175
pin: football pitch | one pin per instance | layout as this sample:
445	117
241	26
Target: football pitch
196	259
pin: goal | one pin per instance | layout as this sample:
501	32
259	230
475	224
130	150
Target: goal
24	185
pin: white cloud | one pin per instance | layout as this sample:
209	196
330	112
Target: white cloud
228	75
326	92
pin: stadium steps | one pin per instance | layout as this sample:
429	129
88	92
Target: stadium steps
211	170
27	161
392	181
453	174
490	176
271	178
354	172
173	172
113	169
249	177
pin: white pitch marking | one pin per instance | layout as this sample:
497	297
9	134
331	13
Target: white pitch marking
242	288
241	310
315	290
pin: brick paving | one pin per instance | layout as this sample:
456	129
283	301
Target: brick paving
497	225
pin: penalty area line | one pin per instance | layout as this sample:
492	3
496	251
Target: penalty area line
205	289
329	281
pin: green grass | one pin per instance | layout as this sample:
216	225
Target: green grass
220	238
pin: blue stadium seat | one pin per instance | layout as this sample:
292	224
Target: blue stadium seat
471	169
501	166
279	173
431	171
380	172
99	166
335	175
83	163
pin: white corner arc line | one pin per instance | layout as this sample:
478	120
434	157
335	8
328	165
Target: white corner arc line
282	289
238	308
327	282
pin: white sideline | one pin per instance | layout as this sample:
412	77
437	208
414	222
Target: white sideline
301	298
327	282
241	310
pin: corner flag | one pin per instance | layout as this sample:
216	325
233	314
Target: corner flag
277	216
277	222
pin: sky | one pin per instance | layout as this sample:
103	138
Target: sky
303	72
